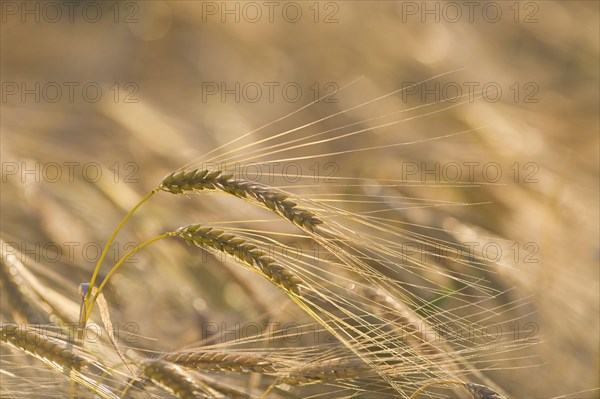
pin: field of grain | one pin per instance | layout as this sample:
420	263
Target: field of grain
336	199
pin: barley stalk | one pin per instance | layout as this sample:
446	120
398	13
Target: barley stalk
244	251
275	200
129	214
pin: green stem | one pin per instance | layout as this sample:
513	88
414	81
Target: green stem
107	246
117	266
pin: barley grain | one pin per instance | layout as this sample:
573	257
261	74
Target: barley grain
222	361
244	251
275	200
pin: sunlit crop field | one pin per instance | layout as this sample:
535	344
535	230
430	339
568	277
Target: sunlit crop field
403	199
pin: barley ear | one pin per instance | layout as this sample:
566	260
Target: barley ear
245	252
277	201
221	361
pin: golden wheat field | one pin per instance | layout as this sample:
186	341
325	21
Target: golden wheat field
313	199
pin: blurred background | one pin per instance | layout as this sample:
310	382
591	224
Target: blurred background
100	100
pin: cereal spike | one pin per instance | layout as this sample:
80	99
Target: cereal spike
244	252
275	200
